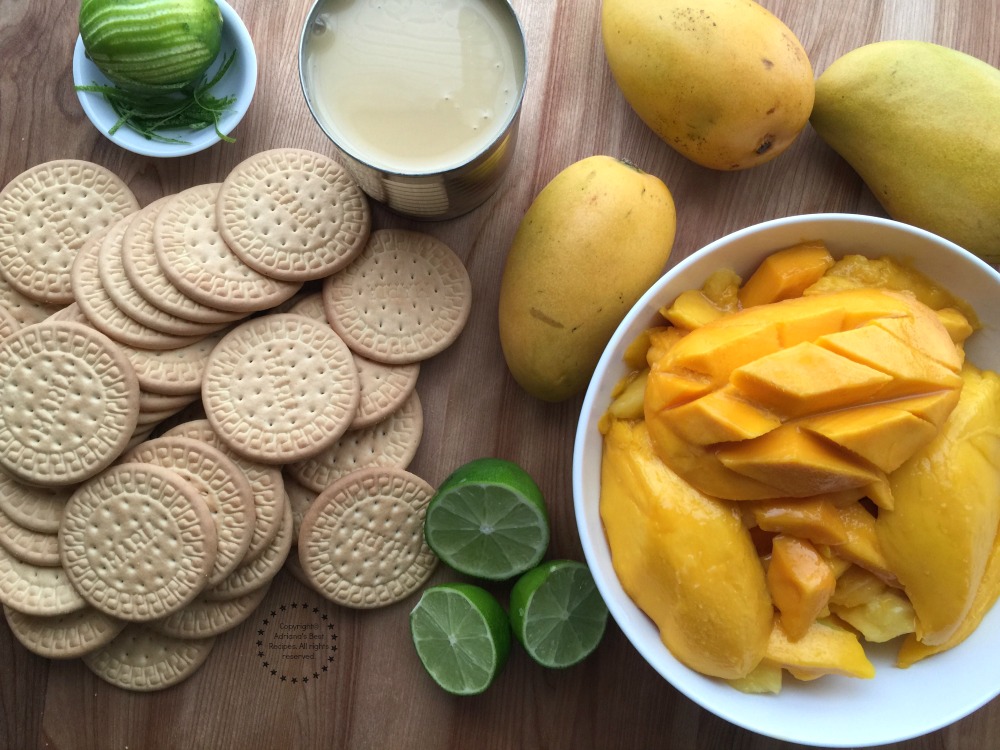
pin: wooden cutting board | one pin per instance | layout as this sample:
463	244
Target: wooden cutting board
368	690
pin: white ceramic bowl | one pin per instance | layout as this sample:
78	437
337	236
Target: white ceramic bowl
241	80
833	711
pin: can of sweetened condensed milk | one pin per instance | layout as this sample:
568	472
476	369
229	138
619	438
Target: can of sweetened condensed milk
420	98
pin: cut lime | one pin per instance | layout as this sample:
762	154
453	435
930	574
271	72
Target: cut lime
488	520
557	613
462	636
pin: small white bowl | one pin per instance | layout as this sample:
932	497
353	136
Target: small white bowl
897	704
240	80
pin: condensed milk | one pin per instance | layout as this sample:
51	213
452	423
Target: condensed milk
421	96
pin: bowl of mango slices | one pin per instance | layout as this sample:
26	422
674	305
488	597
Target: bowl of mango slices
786	479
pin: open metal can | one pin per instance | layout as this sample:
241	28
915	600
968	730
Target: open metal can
420	98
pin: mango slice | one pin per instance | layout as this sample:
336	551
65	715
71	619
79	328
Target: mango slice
684	558
800	582
806	396
912	650
881	618
691	310
786	273
940	534
815	519
824	649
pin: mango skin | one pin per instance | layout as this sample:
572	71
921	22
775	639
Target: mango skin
592	242
940	535
684	558
724	82
918	122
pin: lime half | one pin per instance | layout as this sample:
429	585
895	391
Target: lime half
557	613
462	636
488	520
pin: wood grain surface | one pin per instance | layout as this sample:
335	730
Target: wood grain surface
374	694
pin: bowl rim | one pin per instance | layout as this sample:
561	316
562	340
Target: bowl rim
634	624
240	80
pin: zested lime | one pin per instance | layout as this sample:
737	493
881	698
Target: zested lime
557	613
462	636
150	46
488	520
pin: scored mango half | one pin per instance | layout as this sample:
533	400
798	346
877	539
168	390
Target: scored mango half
813	395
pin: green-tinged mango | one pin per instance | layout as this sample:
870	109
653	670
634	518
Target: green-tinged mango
939	536
593	240
684	558
724	82
918	122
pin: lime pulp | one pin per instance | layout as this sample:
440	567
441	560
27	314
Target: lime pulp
557	613
462	636
488	520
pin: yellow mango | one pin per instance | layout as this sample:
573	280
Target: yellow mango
814	519
690	459
765	678
691	310
661	340
824	649
721	416
684	558
794	463
800	582
722	289
959	327
794	398
863	546
593	240
856	586
860	271
668	389
837	564
884	616
628	403
940	534
917	121
805	379
912	650
725	83
882	435
786	273
912	371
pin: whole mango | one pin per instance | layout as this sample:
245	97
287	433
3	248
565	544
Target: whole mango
724	82
593	240
684	558
918	122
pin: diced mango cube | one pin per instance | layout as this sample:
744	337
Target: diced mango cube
912	371
862	546
882	435
800	582
885	616
795	462
856	586
786	273
824	649
721	416
955	322
722	289
628	403
807	518
691	310
807	379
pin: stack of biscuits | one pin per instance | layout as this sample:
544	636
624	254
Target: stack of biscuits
193	389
